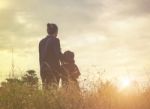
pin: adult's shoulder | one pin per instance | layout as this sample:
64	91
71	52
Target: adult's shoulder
41	41
56	40
50	40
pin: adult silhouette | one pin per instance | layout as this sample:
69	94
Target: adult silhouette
50	57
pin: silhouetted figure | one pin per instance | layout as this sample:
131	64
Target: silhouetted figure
69	71
50	57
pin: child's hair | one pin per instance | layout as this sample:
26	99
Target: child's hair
68	57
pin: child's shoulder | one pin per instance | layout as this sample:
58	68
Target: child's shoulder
75	65
69	66
63	65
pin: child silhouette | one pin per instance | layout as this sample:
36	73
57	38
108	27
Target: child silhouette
70	71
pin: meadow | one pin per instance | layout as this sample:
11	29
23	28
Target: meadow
25	93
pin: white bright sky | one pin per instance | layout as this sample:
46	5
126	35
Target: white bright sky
104	34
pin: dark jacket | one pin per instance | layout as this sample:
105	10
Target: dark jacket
50	52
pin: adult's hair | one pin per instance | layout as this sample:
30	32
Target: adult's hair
52	28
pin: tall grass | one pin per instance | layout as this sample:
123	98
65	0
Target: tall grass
15	94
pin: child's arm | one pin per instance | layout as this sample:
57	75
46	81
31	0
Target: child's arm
76	72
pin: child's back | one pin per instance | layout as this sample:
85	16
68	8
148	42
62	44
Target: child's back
69	70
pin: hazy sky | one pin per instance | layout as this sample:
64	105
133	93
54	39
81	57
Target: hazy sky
104	34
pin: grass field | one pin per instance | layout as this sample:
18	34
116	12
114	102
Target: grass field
25	93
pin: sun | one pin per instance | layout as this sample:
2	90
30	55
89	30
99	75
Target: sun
125	82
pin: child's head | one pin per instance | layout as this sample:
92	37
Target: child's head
68	57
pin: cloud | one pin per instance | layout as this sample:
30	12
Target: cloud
22	20
25	20
133	8
140	7
113	31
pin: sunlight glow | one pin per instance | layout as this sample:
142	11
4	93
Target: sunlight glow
125	82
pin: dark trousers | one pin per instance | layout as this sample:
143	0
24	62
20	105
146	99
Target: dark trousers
50	78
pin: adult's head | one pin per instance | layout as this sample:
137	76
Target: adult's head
52	29
68	57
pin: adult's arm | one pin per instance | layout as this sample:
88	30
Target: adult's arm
57	49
